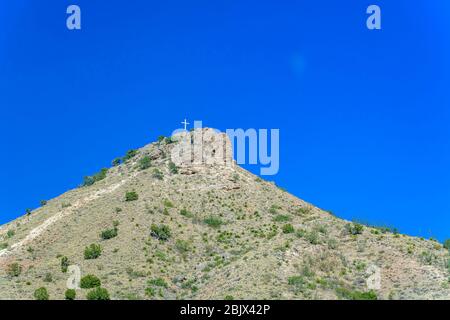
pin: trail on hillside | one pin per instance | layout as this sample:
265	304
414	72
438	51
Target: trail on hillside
36	232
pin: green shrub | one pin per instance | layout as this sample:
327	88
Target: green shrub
92	252
145	163
173	168
98	294
182	246
229	297
354	228
90	281
288	228
70	294
282	218
213	221
158	282
90	180
3	245
48	277
447	244
168	204
186	213
116	162
157	174
356	295
161	232
43	203
28	211
14	269
109	234
297	283
312	237
130	154
131	196
41	294
10	233
64	264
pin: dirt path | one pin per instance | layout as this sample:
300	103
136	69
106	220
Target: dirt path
36	232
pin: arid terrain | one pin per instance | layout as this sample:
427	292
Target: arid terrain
161	231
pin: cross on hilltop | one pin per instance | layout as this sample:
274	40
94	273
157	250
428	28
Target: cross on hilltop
185	124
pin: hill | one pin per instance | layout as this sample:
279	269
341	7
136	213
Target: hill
208	231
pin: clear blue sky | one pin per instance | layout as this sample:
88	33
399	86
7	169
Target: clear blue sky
363	115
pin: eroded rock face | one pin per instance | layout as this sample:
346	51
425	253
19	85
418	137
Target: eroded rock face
202	147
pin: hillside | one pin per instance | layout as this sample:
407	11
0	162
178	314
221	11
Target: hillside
207	232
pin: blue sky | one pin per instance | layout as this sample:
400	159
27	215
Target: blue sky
363	115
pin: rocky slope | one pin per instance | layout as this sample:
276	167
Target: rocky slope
208	232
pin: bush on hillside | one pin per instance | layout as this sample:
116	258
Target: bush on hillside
70	294
90	281
161	232
131	196
98	294
41	294
92	252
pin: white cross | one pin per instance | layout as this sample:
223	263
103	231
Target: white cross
185	124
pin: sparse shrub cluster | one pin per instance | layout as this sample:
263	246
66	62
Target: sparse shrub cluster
14	269
145	163
282	218
92	252
288	228
182	246
90	180
354	228
186	213
355	294
213	221
129	155
157	174
161	232
109	233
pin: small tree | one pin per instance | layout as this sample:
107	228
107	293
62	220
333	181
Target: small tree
43	203
92	252
41	294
